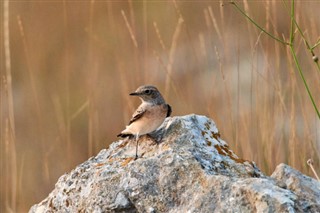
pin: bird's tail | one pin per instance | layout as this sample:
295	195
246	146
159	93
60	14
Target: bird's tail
124	135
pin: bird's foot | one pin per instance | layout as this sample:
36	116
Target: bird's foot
136	157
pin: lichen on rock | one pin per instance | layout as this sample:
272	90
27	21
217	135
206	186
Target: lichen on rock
191	170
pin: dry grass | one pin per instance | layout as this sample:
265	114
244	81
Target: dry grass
74	63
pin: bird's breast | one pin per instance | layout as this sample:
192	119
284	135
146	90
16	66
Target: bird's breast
150	121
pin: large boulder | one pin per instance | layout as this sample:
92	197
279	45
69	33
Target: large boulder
191	170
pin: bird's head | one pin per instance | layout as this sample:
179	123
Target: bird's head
150	94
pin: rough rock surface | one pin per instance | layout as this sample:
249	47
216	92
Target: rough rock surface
191	170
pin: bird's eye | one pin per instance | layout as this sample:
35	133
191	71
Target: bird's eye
147	91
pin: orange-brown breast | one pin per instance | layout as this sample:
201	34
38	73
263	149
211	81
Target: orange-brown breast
150	121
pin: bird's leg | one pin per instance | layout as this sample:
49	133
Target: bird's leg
137	144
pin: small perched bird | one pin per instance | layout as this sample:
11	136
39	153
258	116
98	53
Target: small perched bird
149	115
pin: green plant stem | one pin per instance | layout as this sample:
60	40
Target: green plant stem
303	79
294	55
314	46
253	22
294	25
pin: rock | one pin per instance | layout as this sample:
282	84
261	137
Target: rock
305	188
191	170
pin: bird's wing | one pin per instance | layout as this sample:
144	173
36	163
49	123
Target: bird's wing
137	114
169	110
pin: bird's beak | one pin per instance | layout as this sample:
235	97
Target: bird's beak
134	93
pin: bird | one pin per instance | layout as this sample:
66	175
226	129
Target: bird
149	115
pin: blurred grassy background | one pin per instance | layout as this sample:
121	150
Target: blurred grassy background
73	64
